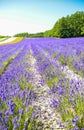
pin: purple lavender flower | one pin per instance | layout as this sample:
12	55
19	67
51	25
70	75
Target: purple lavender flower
54	103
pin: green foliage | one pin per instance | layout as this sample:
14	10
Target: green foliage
79	109
18	102
24	84
48	33
54	55
40	34
69	60
69	26
26	117
53	81
9	61
22	120
25	34
50	83
9	123
4	106
80	72
79	106
2	70
68	113
1	36
5	63
30	86
62	60
82	31
71	67
30	126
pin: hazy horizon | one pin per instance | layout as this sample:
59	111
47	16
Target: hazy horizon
34	15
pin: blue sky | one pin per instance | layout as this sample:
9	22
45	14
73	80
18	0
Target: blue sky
34	15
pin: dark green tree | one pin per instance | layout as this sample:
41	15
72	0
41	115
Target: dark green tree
69	26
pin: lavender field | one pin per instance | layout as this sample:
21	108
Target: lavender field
42	84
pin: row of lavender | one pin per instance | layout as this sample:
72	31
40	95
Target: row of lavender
16	88
7	54
68	93
69	52
16	84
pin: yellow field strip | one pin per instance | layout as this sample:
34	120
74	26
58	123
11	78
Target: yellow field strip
2	39
11	40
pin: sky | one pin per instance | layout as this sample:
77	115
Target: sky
33	16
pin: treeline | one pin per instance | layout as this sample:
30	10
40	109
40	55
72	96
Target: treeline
69	26
25	34
1	36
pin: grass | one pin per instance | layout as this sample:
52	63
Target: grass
53	81
10	123
70	110
62	60
54	55
24	84
26	116
6	64
18	102
3	108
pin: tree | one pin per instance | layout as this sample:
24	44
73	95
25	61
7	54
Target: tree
69	26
